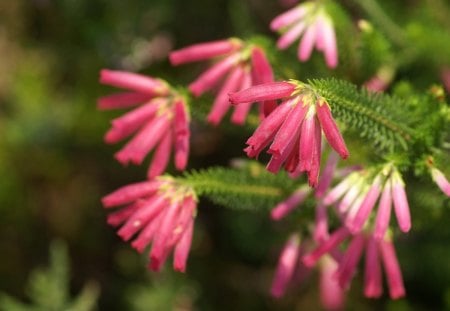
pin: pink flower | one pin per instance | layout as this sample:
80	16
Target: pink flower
294	128
332	296
285	207
238	65
440	180
290	269
286	266
357	195
381	80
374	249
311	20
160	123
160	211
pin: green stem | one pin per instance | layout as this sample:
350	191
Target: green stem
392	30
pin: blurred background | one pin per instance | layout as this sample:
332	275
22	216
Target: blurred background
54	169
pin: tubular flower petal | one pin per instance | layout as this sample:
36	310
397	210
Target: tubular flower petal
286	266
441	181
295	127
375	251
160	123
238	67
162	212
311	20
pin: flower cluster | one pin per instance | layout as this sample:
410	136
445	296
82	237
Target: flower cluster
240	66
358	194
375	249
295	127
160	212
312	20
290	268
161	121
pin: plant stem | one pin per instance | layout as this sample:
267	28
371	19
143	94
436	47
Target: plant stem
392	30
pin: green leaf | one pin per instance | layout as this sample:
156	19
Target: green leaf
249	188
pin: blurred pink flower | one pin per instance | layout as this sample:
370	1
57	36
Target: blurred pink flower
160	123
357	194
374	251
294	128
160	211
441	181
311	20
238	65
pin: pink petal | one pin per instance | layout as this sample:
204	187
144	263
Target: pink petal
320	233
327	36
291	35
289	17
262	92
267	129
121	100
208	79
330	129
262	73
441	181
327	175
307	140
182	249
373	286
144	141
285	207
289	130
392	269
221	103
182	135
133	81
286	266
161	156
203	51
313	173
339	189
384	212
401	206
356	223
241	111
145	213
335	239
332	296
307	43
119	217
130	122
347	266
130	193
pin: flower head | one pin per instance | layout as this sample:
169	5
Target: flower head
239	66
311	20
159	211
160	122
376	252
295	127
356	196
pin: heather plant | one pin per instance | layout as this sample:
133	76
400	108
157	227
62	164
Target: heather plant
354	100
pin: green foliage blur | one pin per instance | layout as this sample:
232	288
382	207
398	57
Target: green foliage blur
55	166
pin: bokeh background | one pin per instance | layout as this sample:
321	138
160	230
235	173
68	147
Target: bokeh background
54	166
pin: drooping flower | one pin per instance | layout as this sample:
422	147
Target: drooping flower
375	251
440	180
311	20
239	66
286	266
381	80
295	127
160	123
357	195
160	211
